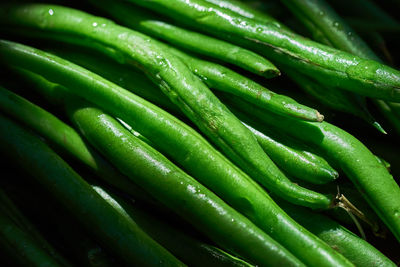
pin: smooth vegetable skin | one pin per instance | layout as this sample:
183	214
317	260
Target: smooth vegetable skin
63	137
330	66
215	76
369	176
143	21
293	159
173	77
187	248
355	249
189	149
177	190
120	235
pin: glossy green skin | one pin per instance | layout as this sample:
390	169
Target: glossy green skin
22	245
188	148
120	235
188	249
296	162
306	165
333	27
335	99
177	190
328	95
60	135
214	75
193	41
173	77
330	66
357	250
369	176
223	79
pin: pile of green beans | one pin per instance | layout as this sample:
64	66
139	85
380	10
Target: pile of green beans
170	133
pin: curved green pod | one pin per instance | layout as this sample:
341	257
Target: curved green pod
122	236
177	190
173	77
369	176
355	249
188	148
143	21
334	67
294	160
63	137
189	249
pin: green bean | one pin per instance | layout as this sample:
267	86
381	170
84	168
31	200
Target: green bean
189	249
214	75
62	136
179	84
199	43
369	176
357	250
289	156
328	65
23	246
186	147
335	99
389	115
333	27
121	235
177	190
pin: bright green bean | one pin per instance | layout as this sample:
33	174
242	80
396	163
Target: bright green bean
330	66
186	147
177	190
143	21
173	77
369	176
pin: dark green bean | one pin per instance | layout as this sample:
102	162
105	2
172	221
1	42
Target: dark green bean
328	65
187	248
173	77
357	250
116	232
143	21
199	158
62	136
177	190
369	176
23	246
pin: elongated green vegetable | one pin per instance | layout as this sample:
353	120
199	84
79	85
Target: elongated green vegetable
177	190
333	67
62	136
214	75
199	43
290	157
176	81
357	250
369	176
190	250
186	147
122	236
